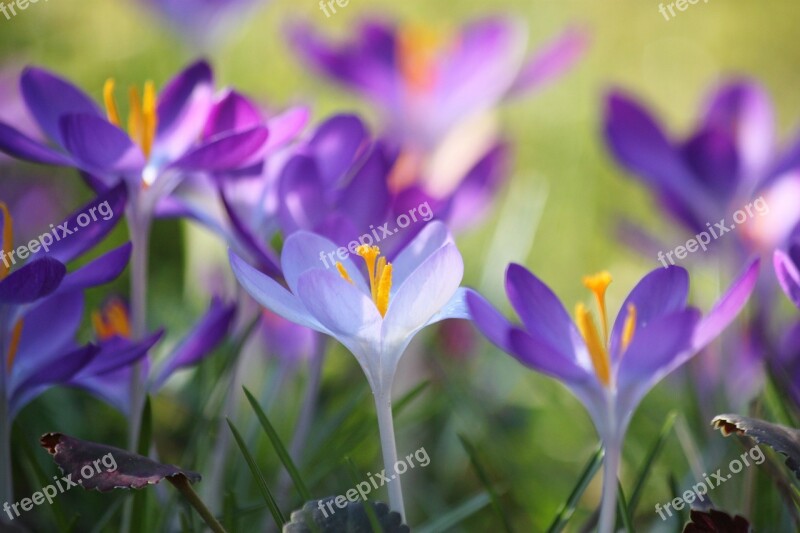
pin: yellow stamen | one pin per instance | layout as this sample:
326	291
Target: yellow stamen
597	349
370	255
8	239
417	54
630	327
384	288
16	334
113	321
343	273
149	117
135	117
111	105
598	283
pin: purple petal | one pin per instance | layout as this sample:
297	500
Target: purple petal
115	354
232	113
638	143
713	157
67	366
180	96
272	295
286	126
788	276
727	307
108	210
49	98
225	153
542	357
366	198
98	146
35	280
541	311
661	292
204	337
554	60
474	195
286	340
252	243
336	144
102	270
433	236
490	322
19	145
423	294
301	193
304	251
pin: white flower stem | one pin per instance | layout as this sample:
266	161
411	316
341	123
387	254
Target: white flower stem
140	237
608	506
383	405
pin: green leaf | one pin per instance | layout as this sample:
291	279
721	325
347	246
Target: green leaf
568	507
622	509
655	451
280	449
457	515
487	484
277	516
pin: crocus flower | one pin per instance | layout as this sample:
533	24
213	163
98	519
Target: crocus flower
40	311
787	266
608	366
437	93
374	316
728	161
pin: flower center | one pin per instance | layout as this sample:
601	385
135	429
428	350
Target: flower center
142	117
112	321
380	275
417	52
595	343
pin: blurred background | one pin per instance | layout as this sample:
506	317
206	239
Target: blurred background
558	214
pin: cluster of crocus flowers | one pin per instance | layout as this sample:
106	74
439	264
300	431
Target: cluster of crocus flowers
374	316
609	368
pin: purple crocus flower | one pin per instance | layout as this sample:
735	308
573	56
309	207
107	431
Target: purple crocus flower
425	81
726	162
609	367
436	94
41	306
375	316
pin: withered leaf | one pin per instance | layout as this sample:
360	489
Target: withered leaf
782	439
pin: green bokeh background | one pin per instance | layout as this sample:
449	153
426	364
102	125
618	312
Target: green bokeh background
561	163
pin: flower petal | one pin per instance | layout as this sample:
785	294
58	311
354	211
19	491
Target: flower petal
304	251
661	292
102	270
727	307
422	295
490	322
98	146
544	358
50	97
267	292
336	144
186	96
541	311
301	192
433	236
203	338
35	280
15	143
228	152
232	113
554	60
788	276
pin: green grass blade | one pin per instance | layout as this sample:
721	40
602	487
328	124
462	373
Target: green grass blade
568	508
409	397
277	516
622	509
655	451
473	457
280	449
457	515
139	513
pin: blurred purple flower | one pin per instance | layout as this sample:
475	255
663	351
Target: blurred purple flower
609	370
787	266
203	22
727	161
